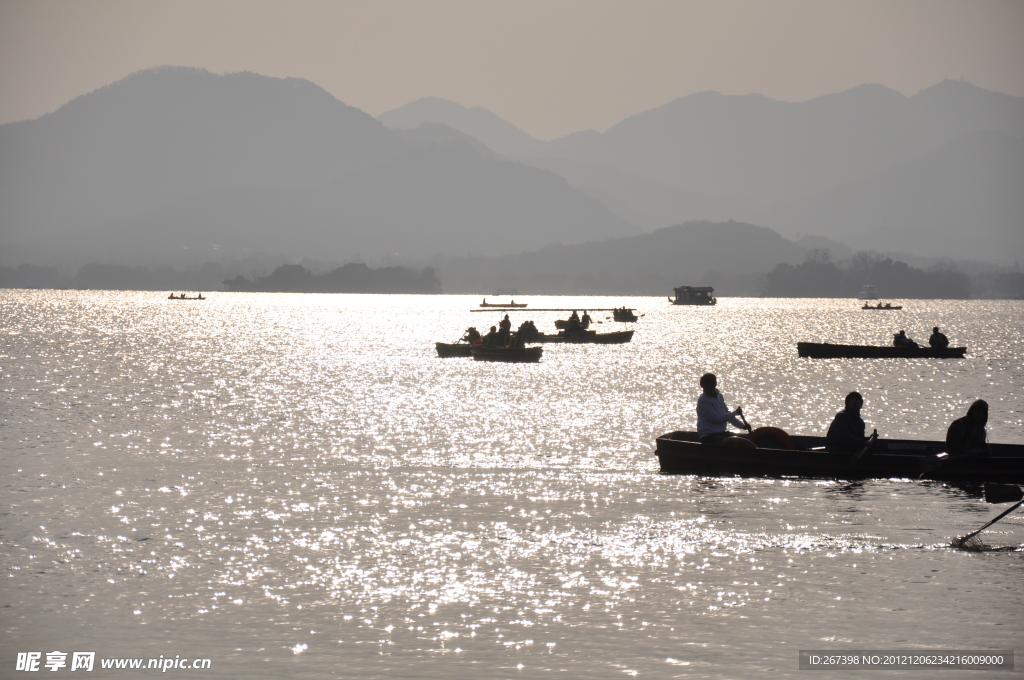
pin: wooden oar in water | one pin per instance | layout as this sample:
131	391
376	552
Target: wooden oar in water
867	445
967	543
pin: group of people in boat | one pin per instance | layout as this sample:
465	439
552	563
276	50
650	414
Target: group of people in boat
887	305
965	436
502	335
937	340
172	296
578	323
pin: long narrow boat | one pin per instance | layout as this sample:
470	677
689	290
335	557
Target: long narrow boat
510	305
510	354
583	336
682	453
826	350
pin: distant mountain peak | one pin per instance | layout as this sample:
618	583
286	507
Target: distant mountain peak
488	128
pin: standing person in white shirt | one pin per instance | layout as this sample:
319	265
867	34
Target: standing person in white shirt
713	414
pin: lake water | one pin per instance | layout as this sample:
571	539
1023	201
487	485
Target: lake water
296	486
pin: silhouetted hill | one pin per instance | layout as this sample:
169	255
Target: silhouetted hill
350	278
175	160
714	156
754	147
434	198
732	254
490	129
964	199
160	137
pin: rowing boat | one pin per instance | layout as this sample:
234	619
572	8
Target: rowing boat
826	350
682	453
584	336
508	305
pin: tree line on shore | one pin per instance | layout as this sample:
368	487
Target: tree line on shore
288	278
817	276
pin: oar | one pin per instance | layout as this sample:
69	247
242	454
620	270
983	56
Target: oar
871	440
959	543
745	423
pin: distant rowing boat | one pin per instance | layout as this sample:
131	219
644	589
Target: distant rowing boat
512	304
172	296
826	350
583	336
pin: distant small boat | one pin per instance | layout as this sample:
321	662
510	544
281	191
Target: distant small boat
826	350
623	314
881	306
507	354
562	324
694	295
172	296
520	305
585	336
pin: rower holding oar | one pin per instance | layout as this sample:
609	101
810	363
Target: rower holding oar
712	413
966	436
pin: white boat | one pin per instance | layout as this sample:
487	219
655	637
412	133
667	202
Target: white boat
867	293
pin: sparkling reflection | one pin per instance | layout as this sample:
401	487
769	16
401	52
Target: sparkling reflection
288	476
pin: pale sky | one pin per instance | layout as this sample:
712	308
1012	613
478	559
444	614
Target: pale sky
550	67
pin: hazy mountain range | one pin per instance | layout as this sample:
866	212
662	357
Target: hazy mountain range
177	163
869	166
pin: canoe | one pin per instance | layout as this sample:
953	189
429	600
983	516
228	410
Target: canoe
592	337
882	309
562	324
826	350
682	453
452	349
513	354
515	305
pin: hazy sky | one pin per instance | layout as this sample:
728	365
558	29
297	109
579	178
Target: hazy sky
550	67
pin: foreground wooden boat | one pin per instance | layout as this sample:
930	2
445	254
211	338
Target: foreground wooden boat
826	350
510	354
682	453
585	336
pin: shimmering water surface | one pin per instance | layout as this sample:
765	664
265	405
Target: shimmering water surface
296	486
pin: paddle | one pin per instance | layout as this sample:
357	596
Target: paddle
745	423
867	445
962	542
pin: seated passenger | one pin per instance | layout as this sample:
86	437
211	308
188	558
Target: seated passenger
846	433
713	414
491	339
938	340
966	436
901	340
